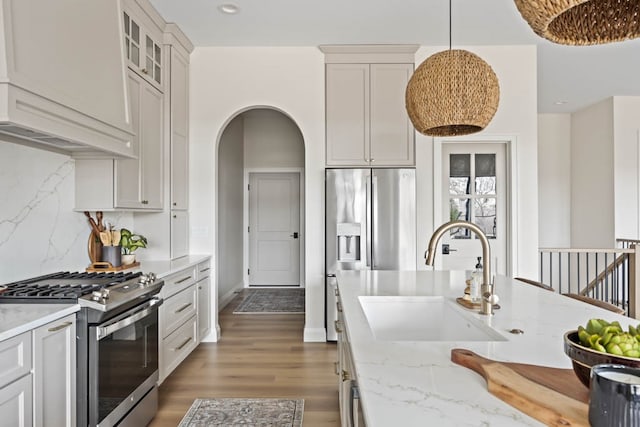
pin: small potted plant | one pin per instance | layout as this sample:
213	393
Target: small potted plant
130	243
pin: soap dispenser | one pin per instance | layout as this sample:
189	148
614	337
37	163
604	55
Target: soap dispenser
476	282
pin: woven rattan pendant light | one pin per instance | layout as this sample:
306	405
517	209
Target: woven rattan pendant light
453	92
582	22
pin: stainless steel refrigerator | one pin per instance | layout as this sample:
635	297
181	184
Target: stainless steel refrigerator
370	224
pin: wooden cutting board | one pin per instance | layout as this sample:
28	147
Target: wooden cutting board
551	395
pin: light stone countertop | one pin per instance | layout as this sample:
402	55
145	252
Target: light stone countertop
18	318
165	268
415	383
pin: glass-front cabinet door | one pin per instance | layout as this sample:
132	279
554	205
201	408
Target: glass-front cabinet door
143	50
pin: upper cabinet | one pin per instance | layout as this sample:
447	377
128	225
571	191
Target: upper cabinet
179	128
61	81
139	182
143	46
366	119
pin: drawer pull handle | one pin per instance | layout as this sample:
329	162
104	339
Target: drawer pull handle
62	326
345	376
336	368
205	269
183	280
339	306
181	346
336	292
183	308
337	326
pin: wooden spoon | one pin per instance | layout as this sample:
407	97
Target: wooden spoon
105	238
115	237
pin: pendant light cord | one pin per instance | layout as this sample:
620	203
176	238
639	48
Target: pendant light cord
449	24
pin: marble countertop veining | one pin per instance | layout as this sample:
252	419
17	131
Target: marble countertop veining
414	383
18	318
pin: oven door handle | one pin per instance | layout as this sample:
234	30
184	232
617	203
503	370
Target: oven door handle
140	313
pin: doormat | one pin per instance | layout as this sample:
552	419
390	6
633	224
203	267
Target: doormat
244	412
266	301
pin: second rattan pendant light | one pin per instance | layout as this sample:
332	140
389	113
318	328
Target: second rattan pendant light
453	92
582	22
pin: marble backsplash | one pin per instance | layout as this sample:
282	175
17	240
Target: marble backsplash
39	230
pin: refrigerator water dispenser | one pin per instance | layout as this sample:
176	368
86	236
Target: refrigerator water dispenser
348	239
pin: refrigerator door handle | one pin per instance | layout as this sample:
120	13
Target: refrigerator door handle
374	218
368	225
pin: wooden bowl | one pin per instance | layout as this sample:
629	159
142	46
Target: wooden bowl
583	358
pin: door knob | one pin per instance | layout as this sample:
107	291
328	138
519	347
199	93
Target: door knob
294	235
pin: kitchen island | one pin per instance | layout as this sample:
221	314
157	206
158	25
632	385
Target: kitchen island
414	383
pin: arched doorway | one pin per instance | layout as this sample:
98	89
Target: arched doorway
259	143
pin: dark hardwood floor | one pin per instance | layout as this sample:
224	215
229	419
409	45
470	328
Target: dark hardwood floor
257	356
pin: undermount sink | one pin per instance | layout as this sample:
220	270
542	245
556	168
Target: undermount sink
422	318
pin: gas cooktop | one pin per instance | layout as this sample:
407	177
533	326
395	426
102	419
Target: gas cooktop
101	291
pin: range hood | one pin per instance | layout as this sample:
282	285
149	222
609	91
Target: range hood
63	77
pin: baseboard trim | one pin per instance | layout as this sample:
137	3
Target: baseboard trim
315	335
226	298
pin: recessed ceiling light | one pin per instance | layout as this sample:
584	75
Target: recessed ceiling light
228	8
560	102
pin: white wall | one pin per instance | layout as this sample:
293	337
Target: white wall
39	231
554	180
592	177
626	132
231	206
516	117
226	81
271	140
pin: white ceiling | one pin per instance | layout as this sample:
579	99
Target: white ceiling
579	75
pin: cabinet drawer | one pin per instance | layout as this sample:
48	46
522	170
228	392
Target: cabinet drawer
15	358
204	269
178	281
178	345
177	309
16	403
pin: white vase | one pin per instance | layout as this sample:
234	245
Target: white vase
128	259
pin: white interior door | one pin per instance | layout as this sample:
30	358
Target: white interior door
474	189
274	229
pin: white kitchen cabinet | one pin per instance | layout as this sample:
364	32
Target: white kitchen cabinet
54	373
348	396
179	234
129	184
178	320
16	403
16	381
366	119
204	299
178	308
139	182
143	43
179	136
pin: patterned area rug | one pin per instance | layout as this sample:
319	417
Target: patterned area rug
244	412
264	301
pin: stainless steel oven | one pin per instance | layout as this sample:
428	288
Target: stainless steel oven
123	366
117	340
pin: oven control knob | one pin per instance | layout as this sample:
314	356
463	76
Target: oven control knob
147	279
100	294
